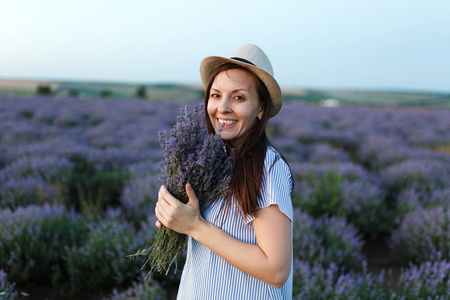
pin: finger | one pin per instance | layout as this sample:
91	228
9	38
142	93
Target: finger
159	216
163	205
158	224
159	193
193	200
162	208
167	196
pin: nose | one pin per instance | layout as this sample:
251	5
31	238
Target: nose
224	106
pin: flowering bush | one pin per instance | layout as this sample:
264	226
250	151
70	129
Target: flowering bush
87	187
323	152
318	189
366	207
23	191
378	152
140	196
317	282
423	235
424	172
361	155
101	260
36	238
344	190
411	198
7	289
429	280
326	241
144	289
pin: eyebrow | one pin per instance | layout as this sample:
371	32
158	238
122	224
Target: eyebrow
234	91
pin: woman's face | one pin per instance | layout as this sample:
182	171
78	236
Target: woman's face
233	104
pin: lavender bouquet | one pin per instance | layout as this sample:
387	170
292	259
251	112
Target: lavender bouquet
191	155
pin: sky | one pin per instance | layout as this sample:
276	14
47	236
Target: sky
343	44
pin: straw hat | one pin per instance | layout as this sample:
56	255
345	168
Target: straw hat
253	58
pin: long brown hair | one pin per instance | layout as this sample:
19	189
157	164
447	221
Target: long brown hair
248	170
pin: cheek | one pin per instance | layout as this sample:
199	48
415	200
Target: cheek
251	116
210	109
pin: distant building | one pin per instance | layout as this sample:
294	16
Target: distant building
329	102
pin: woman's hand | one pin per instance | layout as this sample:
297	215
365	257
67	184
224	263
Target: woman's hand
180	217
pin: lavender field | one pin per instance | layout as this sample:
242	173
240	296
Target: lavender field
79	179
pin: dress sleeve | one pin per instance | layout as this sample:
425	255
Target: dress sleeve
276	185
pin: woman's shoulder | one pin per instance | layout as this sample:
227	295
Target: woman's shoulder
276	166
276	186
273	158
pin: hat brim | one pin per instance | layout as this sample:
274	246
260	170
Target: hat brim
210	63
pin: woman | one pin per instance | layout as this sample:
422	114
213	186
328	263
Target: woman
240	247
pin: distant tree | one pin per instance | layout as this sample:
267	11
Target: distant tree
44	90
141	92
105	93
74	93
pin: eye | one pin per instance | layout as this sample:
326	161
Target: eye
214	95
239	98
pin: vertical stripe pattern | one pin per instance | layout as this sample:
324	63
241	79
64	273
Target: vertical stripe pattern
207	276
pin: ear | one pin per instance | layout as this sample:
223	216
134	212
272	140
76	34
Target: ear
261	111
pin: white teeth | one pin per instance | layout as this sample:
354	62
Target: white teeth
227	122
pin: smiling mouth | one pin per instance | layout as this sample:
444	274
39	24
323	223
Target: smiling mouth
226	122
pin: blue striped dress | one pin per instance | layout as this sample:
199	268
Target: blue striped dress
207	276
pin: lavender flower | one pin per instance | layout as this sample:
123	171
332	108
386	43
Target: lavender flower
139	196
191	155
365	207
36	238
317	282
140	290
101	260
326	241
423	235
429	280
426	172
7	289
418	195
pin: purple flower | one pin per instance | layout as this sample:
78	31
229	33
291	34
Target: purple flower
430	280
423	235
7	289
191	155
326	241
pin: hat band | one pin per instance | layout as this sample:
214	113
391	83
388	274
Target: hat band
243	60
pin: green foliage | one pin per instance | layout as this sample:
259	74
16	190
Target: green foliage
325	189
105	93
423	235
331	193
26	113
366	207
141	92
68	247
317	282
34	239
429	280
7	289
141	290
73	93
92	190
44	90
326	241
101	261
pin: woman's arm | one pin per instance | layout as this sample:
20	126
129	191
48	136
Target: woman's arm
269	260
